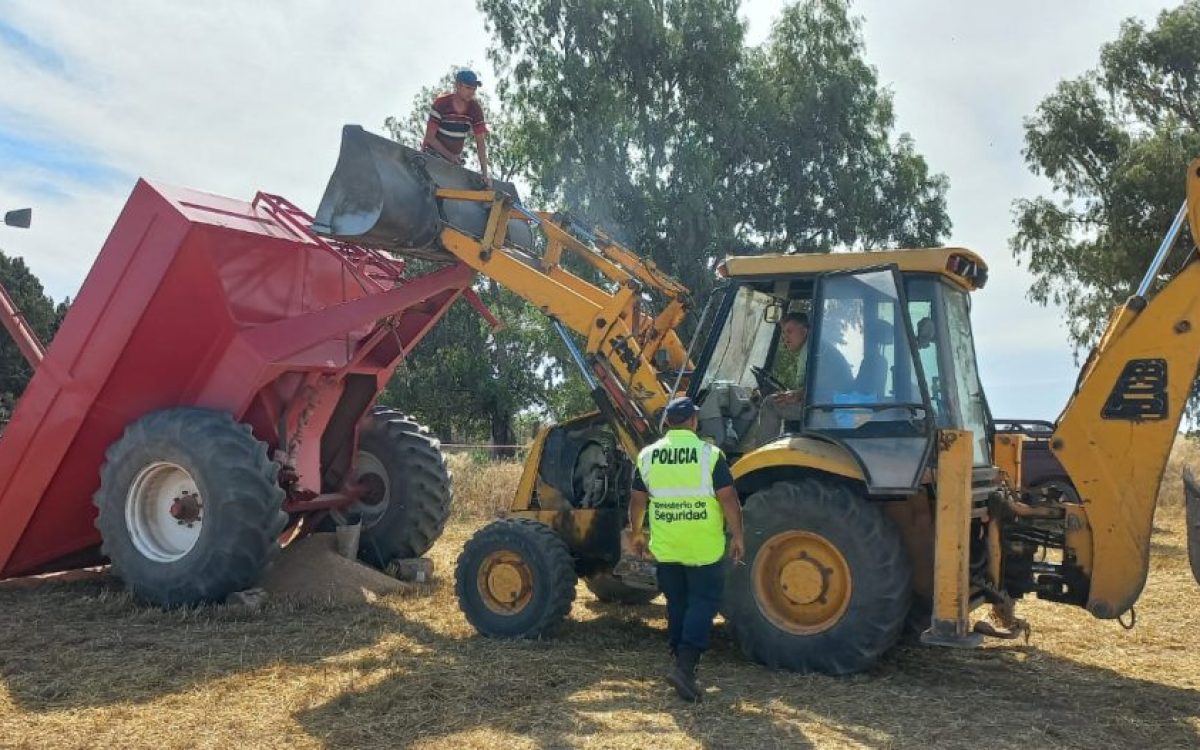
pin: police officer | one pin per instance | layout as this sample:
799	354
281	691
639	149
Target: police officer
689	489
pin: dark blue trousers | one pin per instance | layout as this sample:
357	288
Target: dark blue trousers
693	595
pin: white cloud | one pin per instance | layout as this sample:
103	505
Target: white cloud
232	97
228	97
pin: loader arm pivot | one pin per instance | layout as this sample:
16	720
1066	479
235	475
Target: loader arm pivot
1116	432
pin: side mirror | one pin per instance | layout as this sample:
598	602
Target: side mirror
773	313
19	218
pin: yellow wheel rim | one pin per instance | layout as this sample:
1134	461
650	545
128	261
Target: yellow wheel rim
505	582
801	582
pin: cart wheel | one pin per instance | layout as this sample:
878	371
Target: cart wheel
189	507
408	489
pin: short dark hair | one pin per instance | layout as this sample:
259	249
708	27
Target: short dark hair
795	316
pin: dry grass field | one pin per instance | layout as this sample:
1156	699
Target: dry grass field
82	666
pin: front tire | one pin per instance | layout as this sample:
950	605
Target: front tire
827	583
189	507
515	579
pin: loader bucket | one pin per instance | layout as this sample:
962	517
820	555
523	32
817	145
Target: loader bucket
1191	494
382	194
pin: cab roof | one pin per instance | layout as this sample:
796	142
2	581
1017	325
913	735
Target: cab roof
959	265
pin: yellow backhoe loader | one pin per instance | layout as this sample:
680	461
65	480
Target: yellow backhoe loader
891	500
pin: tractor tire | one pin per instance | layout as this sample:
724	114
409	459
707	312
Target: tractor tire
1061	485
410	485
609	588
189	507
827	583
515	579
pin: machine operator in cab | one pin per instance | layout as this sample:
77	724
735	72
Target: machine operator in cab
688	488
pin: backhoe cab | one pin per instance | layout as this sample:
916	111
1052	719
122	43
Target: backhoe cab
886	503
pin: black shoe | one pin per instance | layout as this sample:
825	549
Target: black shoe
683	675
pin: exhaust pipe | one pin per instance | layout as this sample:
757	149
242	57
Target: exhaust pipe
1191	494
382	194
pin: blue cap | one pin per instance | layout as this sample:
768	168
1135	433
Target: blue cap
467	77
680	410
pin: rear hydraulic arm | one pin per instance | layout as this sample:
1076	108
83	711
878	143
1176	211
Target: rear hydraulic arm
1116	432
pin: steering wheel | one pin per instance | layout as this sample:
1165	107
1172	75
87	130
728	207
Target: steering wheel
767	383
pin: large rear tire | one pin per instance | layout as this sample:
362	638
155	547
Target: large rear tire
515	579
189	507
827	584
409	489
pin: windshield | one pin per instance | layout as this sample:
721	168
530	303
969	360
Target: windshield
863	363
940	316
969	391
745	340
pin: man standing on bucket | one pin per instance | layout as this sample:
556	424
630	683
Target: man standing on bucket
688	487
452	117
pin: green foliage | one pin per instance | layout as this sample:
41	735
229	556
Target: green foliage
43	316
1115	144
654	120
823	170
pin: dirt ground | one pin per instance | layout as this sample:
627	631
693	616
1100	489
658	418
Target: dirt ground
83	666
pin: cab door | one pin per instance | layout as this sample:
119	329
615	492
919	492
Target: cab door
864	389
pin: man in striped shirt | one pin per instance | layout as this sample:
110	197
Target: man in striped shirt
454	116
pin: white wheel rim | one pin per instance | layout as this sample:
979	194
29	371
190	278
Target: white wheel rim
155	532
368	514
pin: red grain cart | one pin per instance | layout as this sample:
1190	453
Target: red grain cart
209	397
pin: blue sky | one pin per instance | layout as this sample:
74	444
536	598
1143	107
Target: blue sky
233	97
33	51
22	149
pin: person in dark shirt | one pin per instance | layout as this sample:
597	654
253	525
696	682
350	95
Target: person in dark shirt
452	118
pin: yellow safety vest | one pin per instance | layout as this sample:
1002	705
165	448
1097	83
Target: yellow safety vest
686	522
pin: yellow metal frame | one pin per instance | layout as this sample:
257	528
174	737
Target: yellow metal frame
1117	465
816	454
619	335
952	545
1007	452
929	260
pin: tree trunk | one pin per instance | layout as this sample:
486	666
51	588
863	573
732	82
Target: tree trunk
502	435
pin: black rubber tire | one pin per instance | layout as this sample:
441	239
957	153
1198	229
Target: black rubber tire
609	588
879	570
553	578
242	517
1063	485
419	488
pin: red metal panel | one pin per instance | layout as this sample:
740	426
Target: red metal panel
195	300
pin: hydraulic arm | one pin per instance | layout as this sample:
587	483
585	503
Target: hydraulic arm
1116	432
385	194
